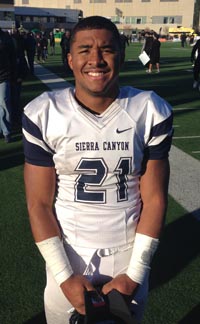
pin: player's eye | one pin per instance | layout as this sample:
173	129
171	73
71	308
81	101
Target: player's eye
108	50
83	50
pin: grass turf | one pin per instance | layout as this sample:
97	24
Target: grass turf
174	284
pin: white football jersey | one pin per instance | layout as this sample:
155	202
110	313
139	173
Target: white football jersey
98	159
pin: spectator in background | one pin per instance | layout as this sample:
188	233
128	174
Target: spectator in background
30	47
183	39
147	46
155	54
195	59
7	75
191	39
148	40
124	41
38	47
65	47
22	71
52	43
44	44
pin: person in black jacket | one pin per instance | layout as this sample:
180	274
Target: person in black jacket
52	43
30	47
155	54
44	44
22	71
7	74
65	46
147	46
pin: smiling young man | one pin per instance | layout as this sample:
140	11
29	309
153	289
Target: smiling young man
96	176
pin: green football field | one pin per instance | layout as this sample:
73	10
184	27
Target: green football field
175	280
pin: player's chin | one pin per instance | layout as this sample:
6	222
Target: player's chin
99	93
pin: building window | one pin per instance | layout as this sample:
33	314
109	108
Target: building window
168	20
138	21
97	1
171	20
165	20
117	1
7	15
10	2
77	1
25	2
145	0
115	19
169	0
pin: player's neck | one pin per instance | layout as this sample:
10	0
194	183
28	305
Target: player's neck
96	105
87	108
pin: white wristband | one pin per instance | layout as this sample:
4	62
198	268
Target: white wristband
55	256
144	248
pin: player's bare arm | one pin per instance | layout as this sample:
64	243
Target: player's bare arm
40	190
154	193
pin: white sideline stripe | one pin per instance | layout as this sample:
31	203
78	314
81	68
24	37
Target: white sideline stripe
185	108
185	137
184	185
51	80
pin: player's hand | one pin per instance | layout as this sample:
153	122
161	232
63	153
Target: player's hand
122	283
73	288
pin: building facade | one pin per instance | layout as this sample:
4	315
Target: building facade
46	19
7	16
129	15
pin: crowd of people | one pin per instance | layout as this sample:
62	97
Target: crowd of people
18	50
13	70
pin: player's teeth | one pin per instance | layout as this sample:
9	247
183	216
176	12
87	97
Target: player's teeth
95	73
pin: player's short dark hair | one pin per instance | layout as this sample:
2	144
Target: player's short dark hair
95	22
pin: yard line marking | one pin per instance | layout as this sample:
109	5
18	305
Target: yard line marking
176	125
185	108
185	137
184	186
195	152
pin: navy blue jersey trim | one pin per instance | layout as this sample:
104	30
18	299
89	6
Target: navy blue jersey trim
34	130
34	154
31	128
160	151
162	128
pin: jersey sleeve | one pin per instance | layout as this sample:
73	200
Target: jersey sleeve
36	149
159	128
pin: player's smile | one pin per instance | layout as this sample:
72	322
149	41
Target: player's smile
96	75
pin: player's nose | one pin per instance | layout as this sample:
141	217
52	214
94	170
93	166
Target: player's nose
96	57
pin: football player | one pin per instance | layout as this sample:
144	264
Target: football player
96	176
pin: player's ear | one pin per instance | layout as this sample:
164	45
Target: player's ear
69	58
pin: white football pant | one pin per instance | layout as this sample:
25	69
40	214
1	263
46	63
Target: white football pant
99	271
